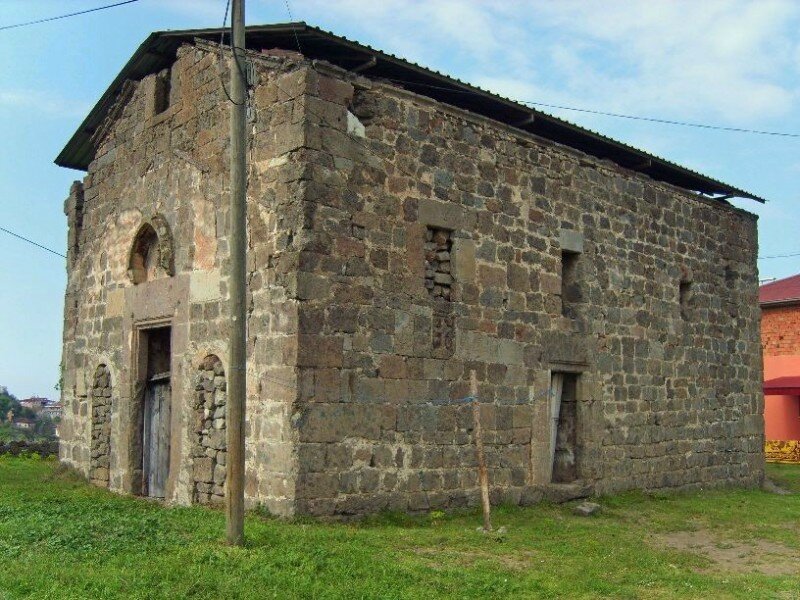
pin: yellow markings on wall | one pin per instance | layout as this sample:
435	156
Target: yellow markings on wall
782	451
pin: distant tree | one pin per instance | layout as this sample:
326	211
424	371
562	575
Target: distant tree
44	427
8	402
26	413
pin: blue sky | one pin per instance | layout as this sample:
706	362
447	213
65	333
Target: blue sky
730	63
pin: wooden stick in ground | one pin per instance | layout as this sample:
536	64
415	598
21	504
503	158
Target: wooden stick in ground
483	474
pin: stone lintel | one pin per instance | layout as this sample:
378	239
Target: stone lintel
571	241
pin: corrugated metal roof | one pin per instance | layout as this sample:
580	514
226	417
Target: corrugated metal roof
158	51
783	291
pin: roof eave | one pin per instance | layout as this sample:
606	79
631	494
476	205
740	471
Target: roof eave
78	152
68	157
779	303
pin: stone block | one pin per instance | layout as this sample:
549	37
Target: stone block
392	366
312	287
203	469
219	474
446	215
115	303
204	286
319	351
570	241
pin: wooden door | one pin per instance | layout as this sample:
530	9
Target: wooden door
156	435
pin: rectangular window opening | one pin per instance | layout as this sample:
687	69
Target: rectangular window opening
685	298
570	289
163	89
438	269
564	426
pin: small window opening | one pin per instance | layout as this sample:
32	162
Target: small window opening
685	298
570	289
163	89
564	429
438	273
730	276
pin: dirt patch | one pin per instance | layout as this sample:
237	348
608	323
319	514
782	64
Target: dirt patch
756	556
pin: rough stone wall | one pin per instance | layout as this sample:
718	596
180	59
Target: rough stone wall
780	330
210	449
101	427
357	367
168	168
662	326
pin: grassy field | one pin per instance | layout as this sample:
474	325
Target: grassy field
60	538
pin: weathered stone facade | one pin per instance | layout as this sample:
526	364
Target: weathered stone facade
395	244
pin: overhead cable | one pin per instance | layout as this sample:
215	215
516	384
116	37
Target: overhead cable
66	16
24	239
604	113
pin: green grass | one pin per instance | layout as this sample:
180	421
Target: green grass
60	538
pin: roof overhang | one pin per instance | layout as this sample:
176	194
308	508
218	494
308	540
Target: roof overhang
782	386
780	303
158	51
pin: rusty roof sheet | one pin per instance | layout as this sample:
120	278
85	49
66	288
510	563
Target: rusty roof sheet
783	291
158	51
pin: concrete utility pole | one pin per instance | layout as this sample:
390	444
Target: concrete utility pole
237	383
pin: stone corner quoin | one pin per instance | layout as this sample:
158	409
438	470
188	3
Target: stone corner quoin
396	243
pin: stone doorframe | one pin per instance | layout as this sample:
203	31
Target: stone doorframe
160	303
587	420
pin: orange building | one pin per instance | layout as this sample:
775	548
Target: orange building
780	339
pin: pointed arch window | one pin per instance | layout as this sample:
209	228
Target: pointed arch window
151	255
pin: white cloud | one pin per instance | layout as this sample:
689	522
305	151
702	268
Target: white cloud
44	103
728	61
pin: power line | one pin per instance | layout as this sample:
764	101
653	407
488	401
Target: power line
610	114
526	102
666	121
16	235
779	256
221	46
75	14
294	29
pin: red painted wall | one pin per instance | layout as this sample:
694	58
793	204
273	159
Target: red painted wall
780	339
782	418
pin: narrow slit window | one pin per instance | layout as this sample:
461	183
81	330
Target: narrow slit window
685	298
570	288
163	89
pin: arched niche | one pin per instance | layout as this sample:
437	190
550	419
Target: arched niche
152	253
100	462
209	448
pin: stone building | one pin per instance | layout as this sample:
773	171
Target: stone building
404	229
